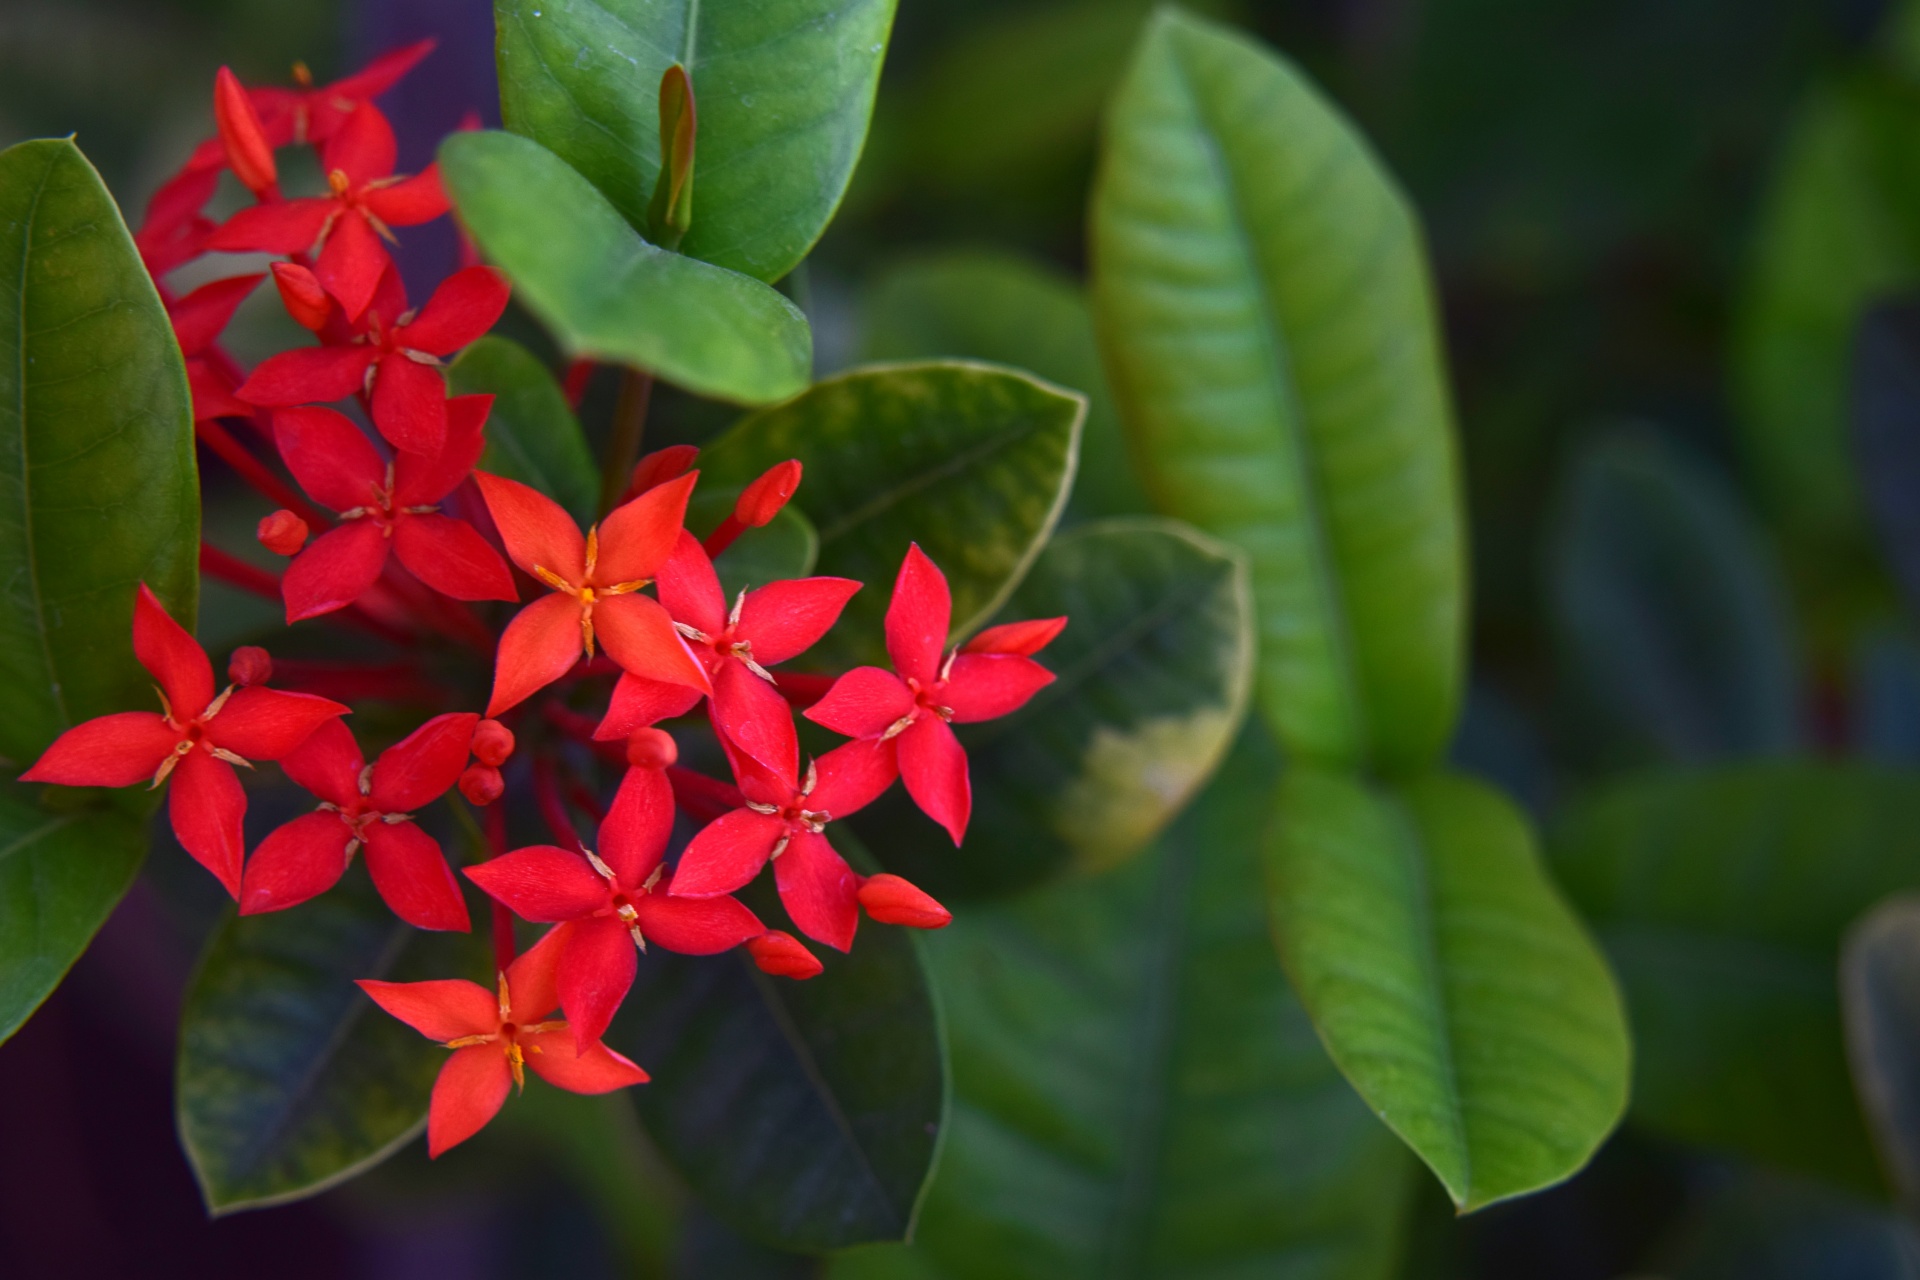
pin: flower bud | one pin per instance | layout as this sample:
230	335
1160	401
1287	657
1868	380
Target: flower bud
302	295
248	150
249	665
492	743
282	533
891	900
659	467
650	748
781	955
482	784
761	501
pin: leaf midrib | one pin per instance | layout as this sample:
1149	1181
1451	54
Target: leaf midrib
952	465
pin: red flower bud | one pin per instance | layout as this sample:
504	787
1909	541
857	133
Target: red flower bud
492	743
891	900
659	467
302	295
761	501
248	150
249	665
650	748
282	533
482	784
781	955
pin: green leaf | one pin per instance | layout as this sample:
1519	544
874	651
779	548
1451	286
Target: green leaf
1721	898
290	1080
98	488
1153	673
609	295
1880	1001
61	875
532	435
1138	1093
806	1115
1006	309
783	90
971	461
1447	977
1268	324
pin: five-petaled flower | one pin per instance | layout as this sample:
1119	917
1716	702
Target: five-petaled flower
495	1036
194	742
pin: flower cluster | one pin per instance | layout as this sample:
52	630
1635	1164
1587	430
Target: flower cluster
390	528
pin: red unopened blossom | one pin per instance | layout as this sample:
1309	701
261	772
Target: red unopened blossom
757	505
650	748
194	742
931	688
495	1036
282	532
892	900
482	784
371	807
611	901
301	294
198	320
385	507
782	955
249	665
492	743
398	353
342	229
596	581
242	137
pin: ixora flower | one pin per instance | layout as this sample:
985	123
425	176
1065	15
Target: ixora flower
371	807
194	742
385	507
930	688
495	1037
596	581
611	902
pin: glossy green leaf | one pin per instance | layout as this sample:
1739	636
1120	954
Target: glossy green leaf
1153	673
1880	1002
1268	325
1138	1093
784	89
98	488
290	1080
61	874
532	435
1009	310
971	461
1448	978
609	295
1721	898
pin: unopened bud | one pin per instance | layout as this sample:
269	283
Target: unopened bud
492	743
1023	638
248	150
282	532
661	466
781	955
761	501
249	666
482	784
302	295
650	748
891	900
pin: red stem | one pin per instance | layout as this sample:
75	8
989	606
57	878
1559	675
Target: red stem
722	538
221	443
553	807
494	820
702	797
580	729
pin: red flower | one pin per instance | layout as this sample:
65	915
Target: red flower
396	353
982	681
198	320
344	227
595	581
372	807
610	902
307	114
174	231
765	627
385	506
494	1038
784	820
196	741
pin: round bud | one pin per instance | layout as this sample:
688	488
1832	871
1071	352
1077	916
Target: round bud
891	900
482	784
304	297
650	748
492	743
249	665
282	532
781	955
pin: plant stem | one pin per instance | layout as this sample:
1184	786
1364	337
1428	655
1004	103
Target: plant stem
504	946
250	469
623	446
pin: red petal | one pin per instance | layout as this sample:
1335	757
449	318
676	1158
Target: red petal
327	764
755	717
213	392
727	853
1024	638
537	531
410	404
696	926
306	374
413	877
207	808
540	645
596	972
690	589
633	838
363	148
935	770
418	199
171	656
891	900
784	619
451	557
420	481
442	1009
464	307
298	861
597	1070
543	883
637	537
351	263
638	634
985	686
853	774
424	765
289	227
379	75
469	1092
267	724
199	317
818	890
862	703
638	702
331	458
918	617
533	980
112	751
336	569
